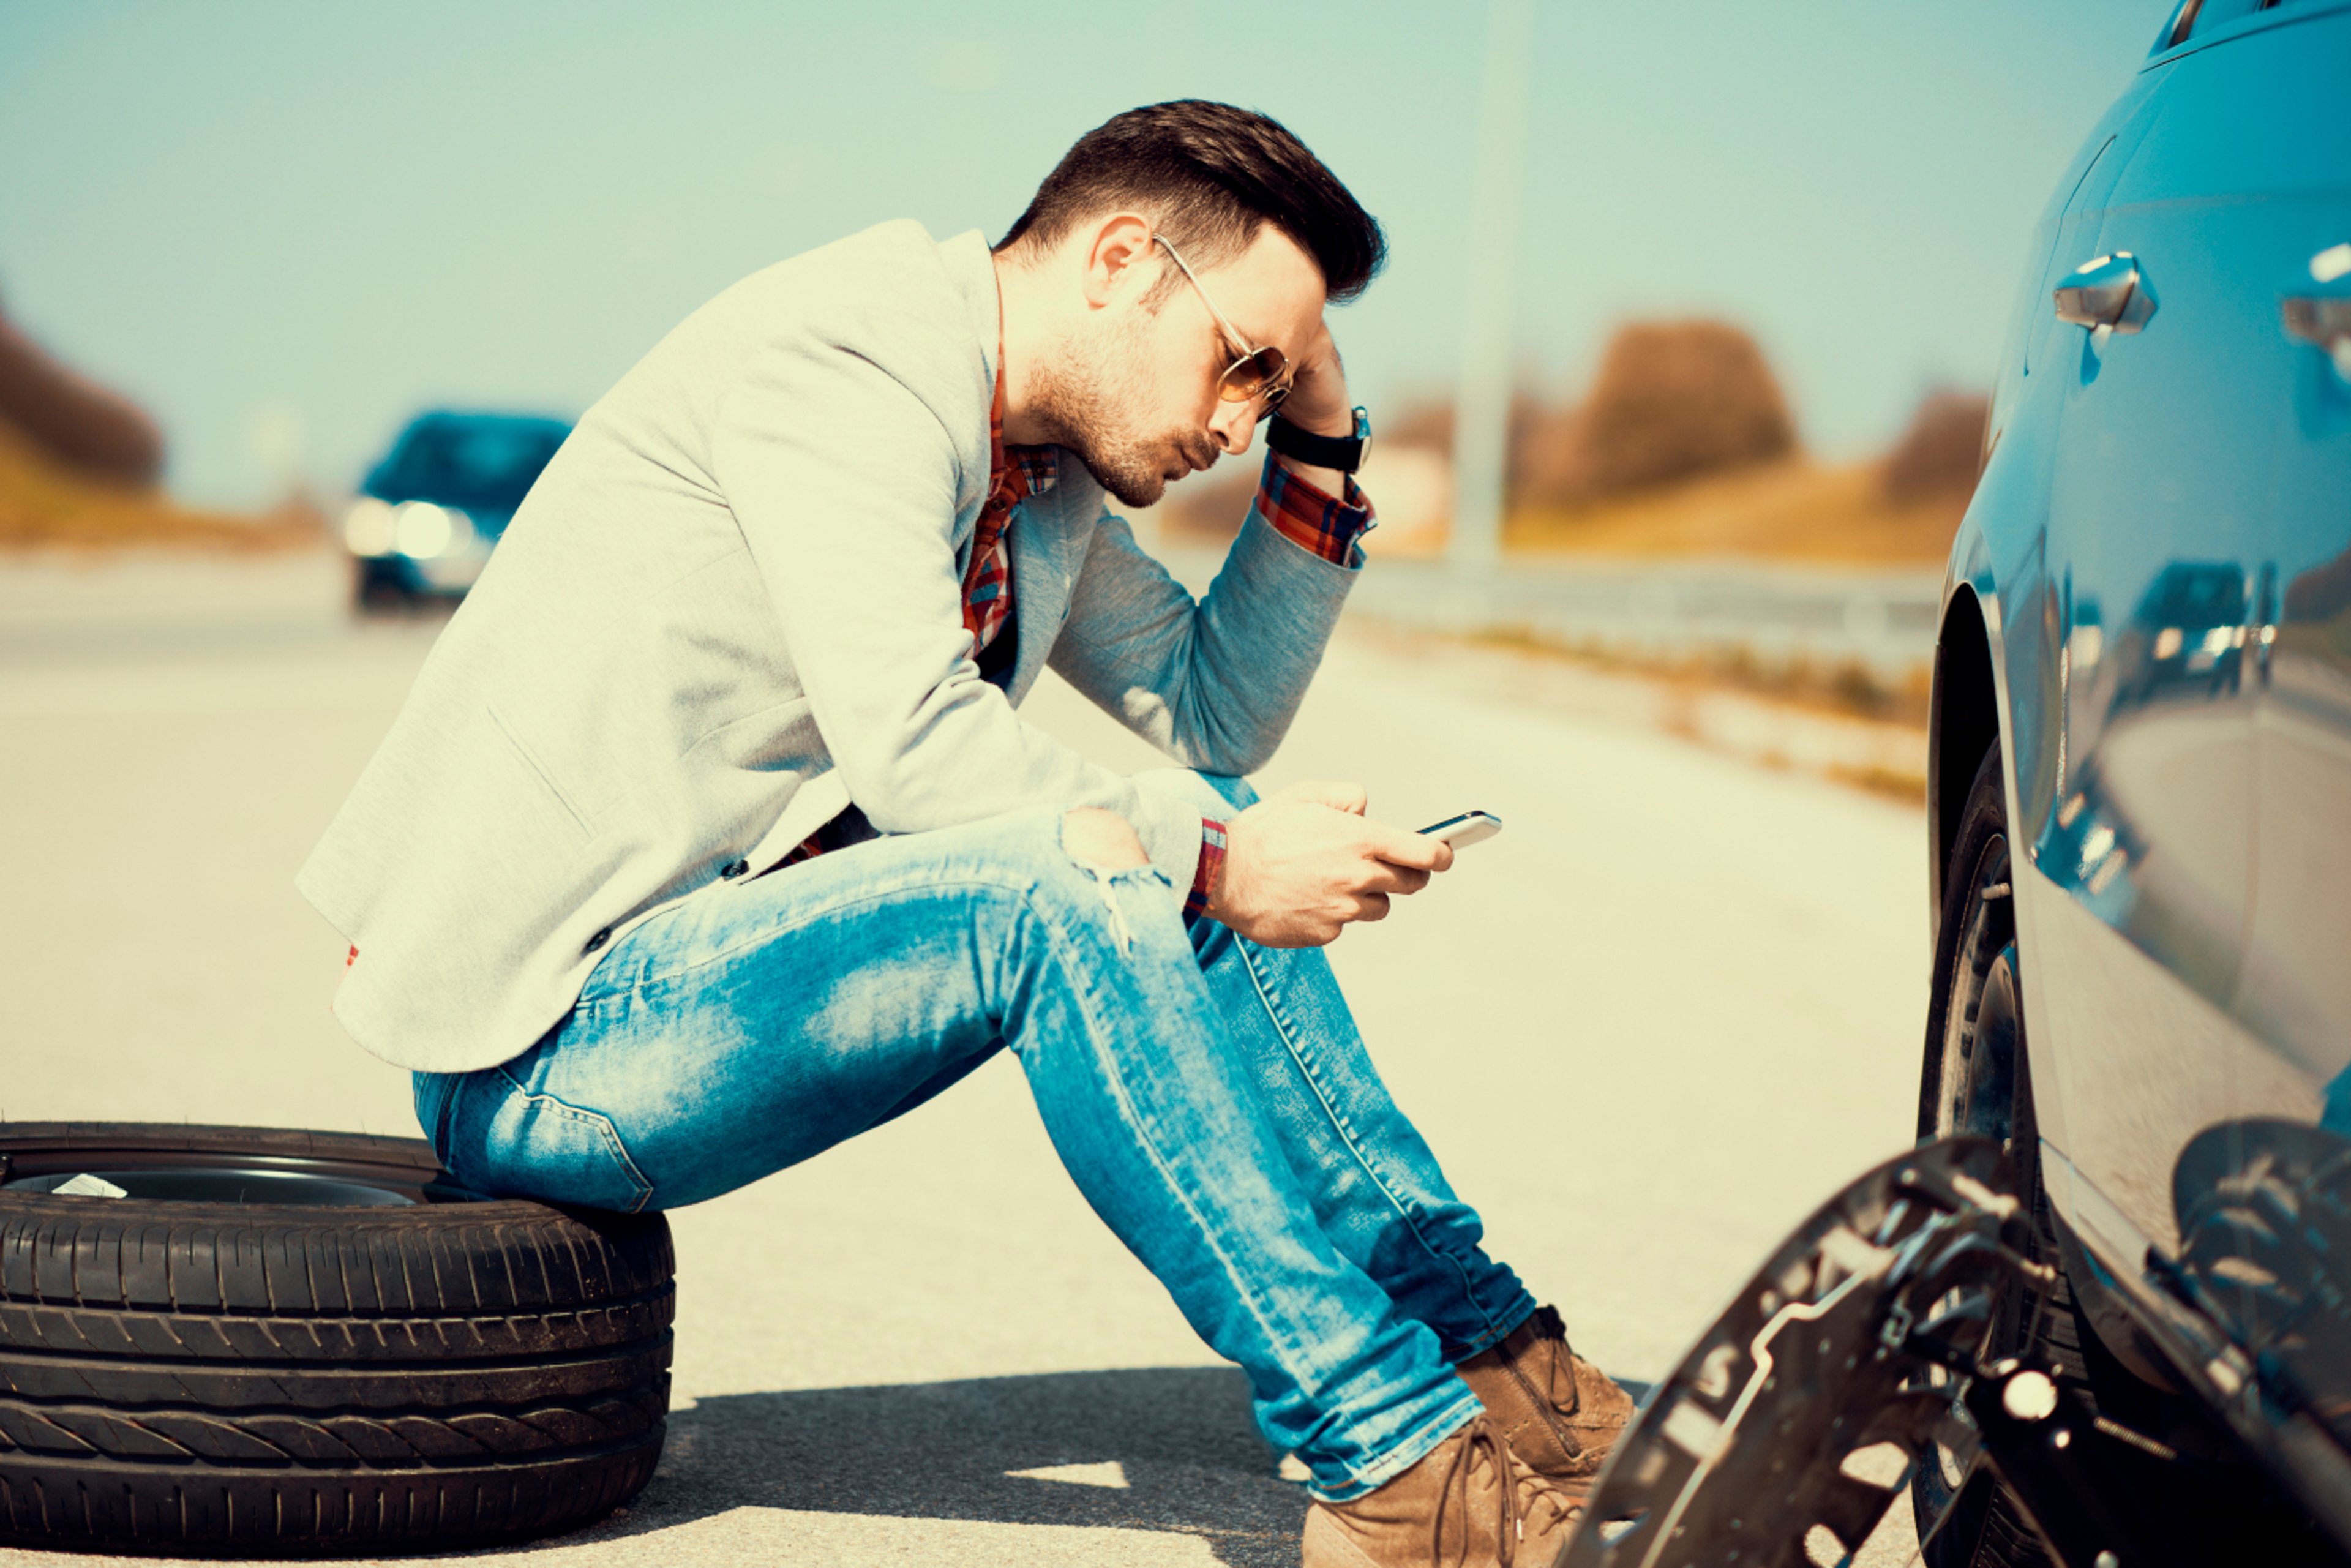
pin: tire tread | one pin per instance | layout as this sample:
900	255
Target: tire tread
285	1379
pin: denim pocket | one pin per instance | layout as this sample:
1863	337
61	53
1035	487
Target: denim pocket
536	1145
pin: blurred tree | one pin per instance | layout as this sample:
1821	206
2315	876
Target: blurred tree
1424	422
1674	400
78	424
1941	452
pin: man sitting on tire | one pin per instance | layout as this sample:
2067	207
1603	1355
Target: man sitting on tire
710	835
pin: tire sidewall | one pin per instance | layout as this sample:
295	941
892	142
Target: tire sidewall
1980	1528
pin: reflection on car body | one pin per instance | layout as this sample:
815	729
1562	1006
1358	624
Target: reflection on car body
429	514
2188	631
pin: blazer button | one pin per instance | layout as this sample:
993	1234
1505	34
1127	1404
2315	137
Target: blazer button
734	869
598	941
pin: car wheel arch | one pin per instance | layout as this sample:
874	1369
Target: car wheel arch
1963	723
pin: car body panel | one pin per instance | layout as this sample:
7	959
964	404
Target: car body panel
2296	988
2294	991
2093	508
2159	552
2154	531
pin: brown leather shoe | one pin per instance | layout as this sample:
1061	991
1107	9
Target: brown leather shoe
1560	1412
1468	1503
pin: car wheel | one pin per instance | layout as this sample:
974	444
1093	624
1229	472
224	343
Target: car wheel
249	1342
1978	1079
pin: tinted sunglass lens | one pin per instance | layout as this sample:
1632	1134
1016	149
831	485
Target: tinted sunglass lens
1249	378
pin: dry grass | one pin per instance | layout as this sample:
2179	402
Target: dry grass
1791	510
1834	722
1847	688
1893	783
44	507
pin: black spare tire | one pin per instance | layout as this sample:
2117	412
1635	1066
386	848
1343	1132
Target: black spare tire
296	1342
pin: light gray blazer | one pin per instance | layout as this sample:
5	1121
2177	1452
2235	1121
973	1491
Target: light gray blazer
732	605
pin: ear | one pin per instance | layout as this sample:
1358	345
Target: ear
1121	261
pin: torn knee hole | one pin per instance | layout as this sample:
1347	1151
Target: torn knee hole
1092	836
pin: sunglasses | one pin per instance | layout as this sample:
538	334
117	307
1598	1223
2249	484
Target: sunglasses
1258	372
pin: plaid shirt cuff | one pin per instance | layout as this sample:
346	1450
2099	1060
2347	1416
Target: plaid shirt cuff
1311	520
1210	870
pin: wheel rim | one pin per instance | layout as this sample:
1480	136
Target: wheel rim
1981	1020
233	1184
224	1177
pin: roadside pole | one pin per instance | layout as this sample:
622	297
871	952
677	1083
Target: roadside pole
1481	404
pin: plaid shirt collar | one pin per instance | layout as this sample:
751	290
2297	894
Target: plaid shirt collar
1014	475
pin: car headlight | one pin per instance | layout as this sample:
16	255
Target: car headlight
425	530
370	527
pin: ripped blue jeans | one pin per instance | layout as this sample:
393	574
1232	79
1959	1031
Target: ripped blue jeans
1211	1098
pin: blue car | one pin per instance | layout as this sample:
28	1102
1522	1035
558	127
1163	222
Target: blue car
2139	804
428	516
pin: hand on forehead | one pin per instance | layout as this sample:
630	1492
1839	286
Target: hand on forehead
1270	291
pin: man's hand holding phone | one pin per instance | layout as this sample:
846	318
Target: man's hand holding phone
1305	861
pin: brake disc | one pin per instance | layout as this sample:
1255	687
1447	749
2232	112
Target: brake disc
1799	1416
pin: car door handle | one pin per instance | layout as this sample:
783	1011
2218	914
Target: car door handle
2109	294
2326	321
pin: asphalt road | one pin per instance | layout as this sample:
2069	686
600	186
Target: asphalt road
1673	1006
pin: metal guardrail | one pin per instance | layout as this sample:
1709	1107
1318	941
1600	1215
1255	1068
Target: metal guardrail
1881	619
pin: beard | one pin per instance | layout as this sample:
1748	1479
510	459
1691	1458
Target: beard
1084	396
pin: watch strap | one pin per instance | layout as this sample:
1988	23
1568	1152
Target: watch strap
1344	453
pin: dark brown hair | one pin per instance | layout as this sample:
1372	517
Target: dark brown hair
1210	175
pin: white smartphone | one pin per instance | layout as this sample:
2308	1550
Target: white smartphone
1469	827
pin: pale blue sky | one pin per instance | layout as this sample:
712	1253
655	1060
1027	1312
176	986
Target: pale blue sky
354	210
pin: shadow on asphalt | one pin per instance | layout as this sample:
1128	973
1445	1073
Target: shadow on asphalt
1192	1460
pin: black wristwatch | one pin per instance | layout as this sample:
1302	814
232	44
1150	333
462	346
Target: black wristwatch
1344	453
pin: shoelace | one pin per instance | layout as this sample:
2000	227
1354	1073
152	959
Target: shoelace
1553	1331
1543	1499
1479	1437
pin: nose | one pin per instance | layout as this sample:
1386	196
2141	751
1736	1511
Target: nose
1233	426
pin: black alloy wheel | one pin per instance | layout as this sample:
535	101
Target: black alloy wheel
1978	1079
252	1341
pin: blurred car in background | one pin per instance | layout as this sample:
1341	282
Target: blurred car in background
2139	797
427	516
